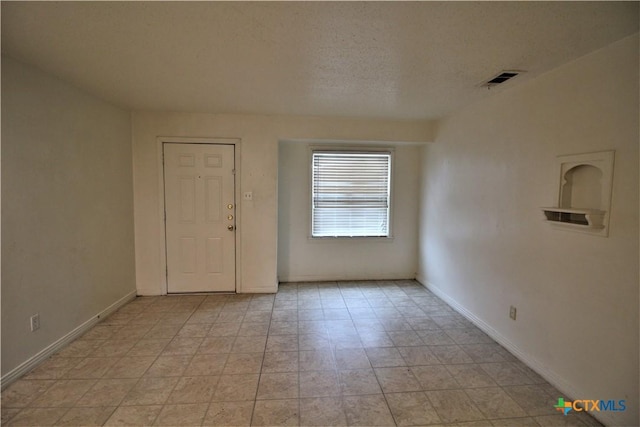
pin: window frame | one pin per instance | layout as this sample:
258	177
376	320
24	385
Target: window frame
351	150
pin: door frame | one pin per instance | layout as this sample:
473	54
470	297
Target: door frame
162	250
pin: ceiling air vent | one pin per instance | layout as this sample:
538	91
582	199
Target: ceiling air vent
501	78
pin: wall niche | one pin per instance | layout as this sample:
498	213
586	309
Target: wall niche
583	193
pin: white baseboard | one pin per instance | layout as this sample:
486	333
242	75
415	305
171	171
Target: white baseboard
339	278
51	349
567	389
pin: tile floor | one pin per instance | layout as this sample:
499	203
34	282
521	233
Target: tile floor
346	353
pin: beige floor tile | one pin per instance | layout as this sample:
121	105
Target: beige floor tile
150	348
107	392
151	391
322	411
163	330
311	314
91	367
487	353
206	364
259	314
405	338
102	331
358	381
134	416
278	386
280	362
37	417
182	346
132	331
236	387
243	363
450	354
533	399
222	344
194	390
313	354
495	403
63	393
369	410
79	348
506	373
129	367
23	392
315	341
319	383
371	339
276	413
468	336
251	344
193	330
7	414
316	360
95	416
398	379
352	358
434	337
470	376
411	409
282	343
53	368
515	422
168	366
249	329
224	329
381	357
434	377
559	420
284	315
419	355
229	414
182	415
113	348
283	328
454	406
311	327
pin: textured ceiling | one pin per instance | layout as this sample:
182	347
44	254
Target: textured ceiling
405	60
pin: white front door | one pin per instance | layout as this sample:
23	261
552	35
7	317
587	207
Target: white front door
199	191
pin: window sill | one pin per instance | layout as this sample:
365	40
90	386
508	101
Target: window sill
357	239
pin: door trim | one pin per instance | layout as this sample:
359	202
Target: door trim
162	243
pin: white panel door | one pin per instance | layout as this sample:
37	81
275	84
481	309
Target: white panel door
199	191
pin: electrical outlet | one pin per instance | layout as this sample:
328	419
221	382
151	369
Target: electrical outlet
35	322
248	195
512	313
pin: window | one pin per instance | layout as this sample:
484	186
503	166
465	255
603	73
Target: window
350	194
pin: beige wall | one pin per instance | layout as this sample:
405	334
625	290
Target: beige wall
303	259
258	220
484	246
67	209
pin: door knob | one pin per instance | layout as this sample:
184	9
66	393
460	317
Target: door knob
230	227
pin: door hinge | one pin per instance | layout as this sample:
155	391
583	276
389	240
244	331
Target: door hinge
233	171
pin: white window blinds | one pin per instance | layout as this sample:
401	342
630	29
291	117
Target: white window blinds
350	194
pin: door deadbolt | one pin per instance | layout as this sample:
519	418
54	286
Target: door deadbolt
229	206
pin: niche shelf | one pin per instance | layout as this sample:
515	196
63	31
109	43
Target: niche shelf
584	193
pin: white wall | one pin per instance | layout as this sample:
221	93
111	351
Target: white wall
258	220
484	246
303	259
67	209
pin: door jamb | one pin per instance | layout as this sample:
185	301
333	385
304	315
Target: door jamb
161	207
